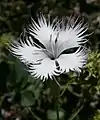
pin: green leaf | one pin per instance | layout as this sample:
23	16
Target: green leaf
52	115
97	115
54	88
27	98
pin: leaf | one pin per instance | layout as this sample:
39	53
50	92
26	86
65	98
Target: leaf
53	116
5	39
1	100
54	88
27	98
97	115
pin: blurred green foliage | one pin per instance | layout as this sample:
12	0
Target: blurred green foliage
25	98
97	115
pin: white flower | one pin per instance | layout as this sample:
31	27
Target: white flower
48	47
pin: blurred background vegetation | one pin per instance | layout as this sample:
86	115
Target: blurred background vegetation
25	98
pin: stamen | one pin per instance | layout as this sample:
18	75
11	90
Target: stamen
56	47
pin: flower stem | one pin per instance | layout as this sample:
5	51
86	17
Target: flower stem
57	110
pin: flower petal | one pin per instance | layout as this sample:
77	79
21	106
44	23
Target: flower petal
43	30
73	61
46	69
27	52
71	35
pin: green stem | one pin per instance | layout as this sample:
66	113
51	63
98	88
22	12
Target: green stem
75	113
57	110
57	113
33	115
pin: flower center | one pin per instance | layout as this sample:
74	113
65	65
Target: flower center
50	54
51	48
52	58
